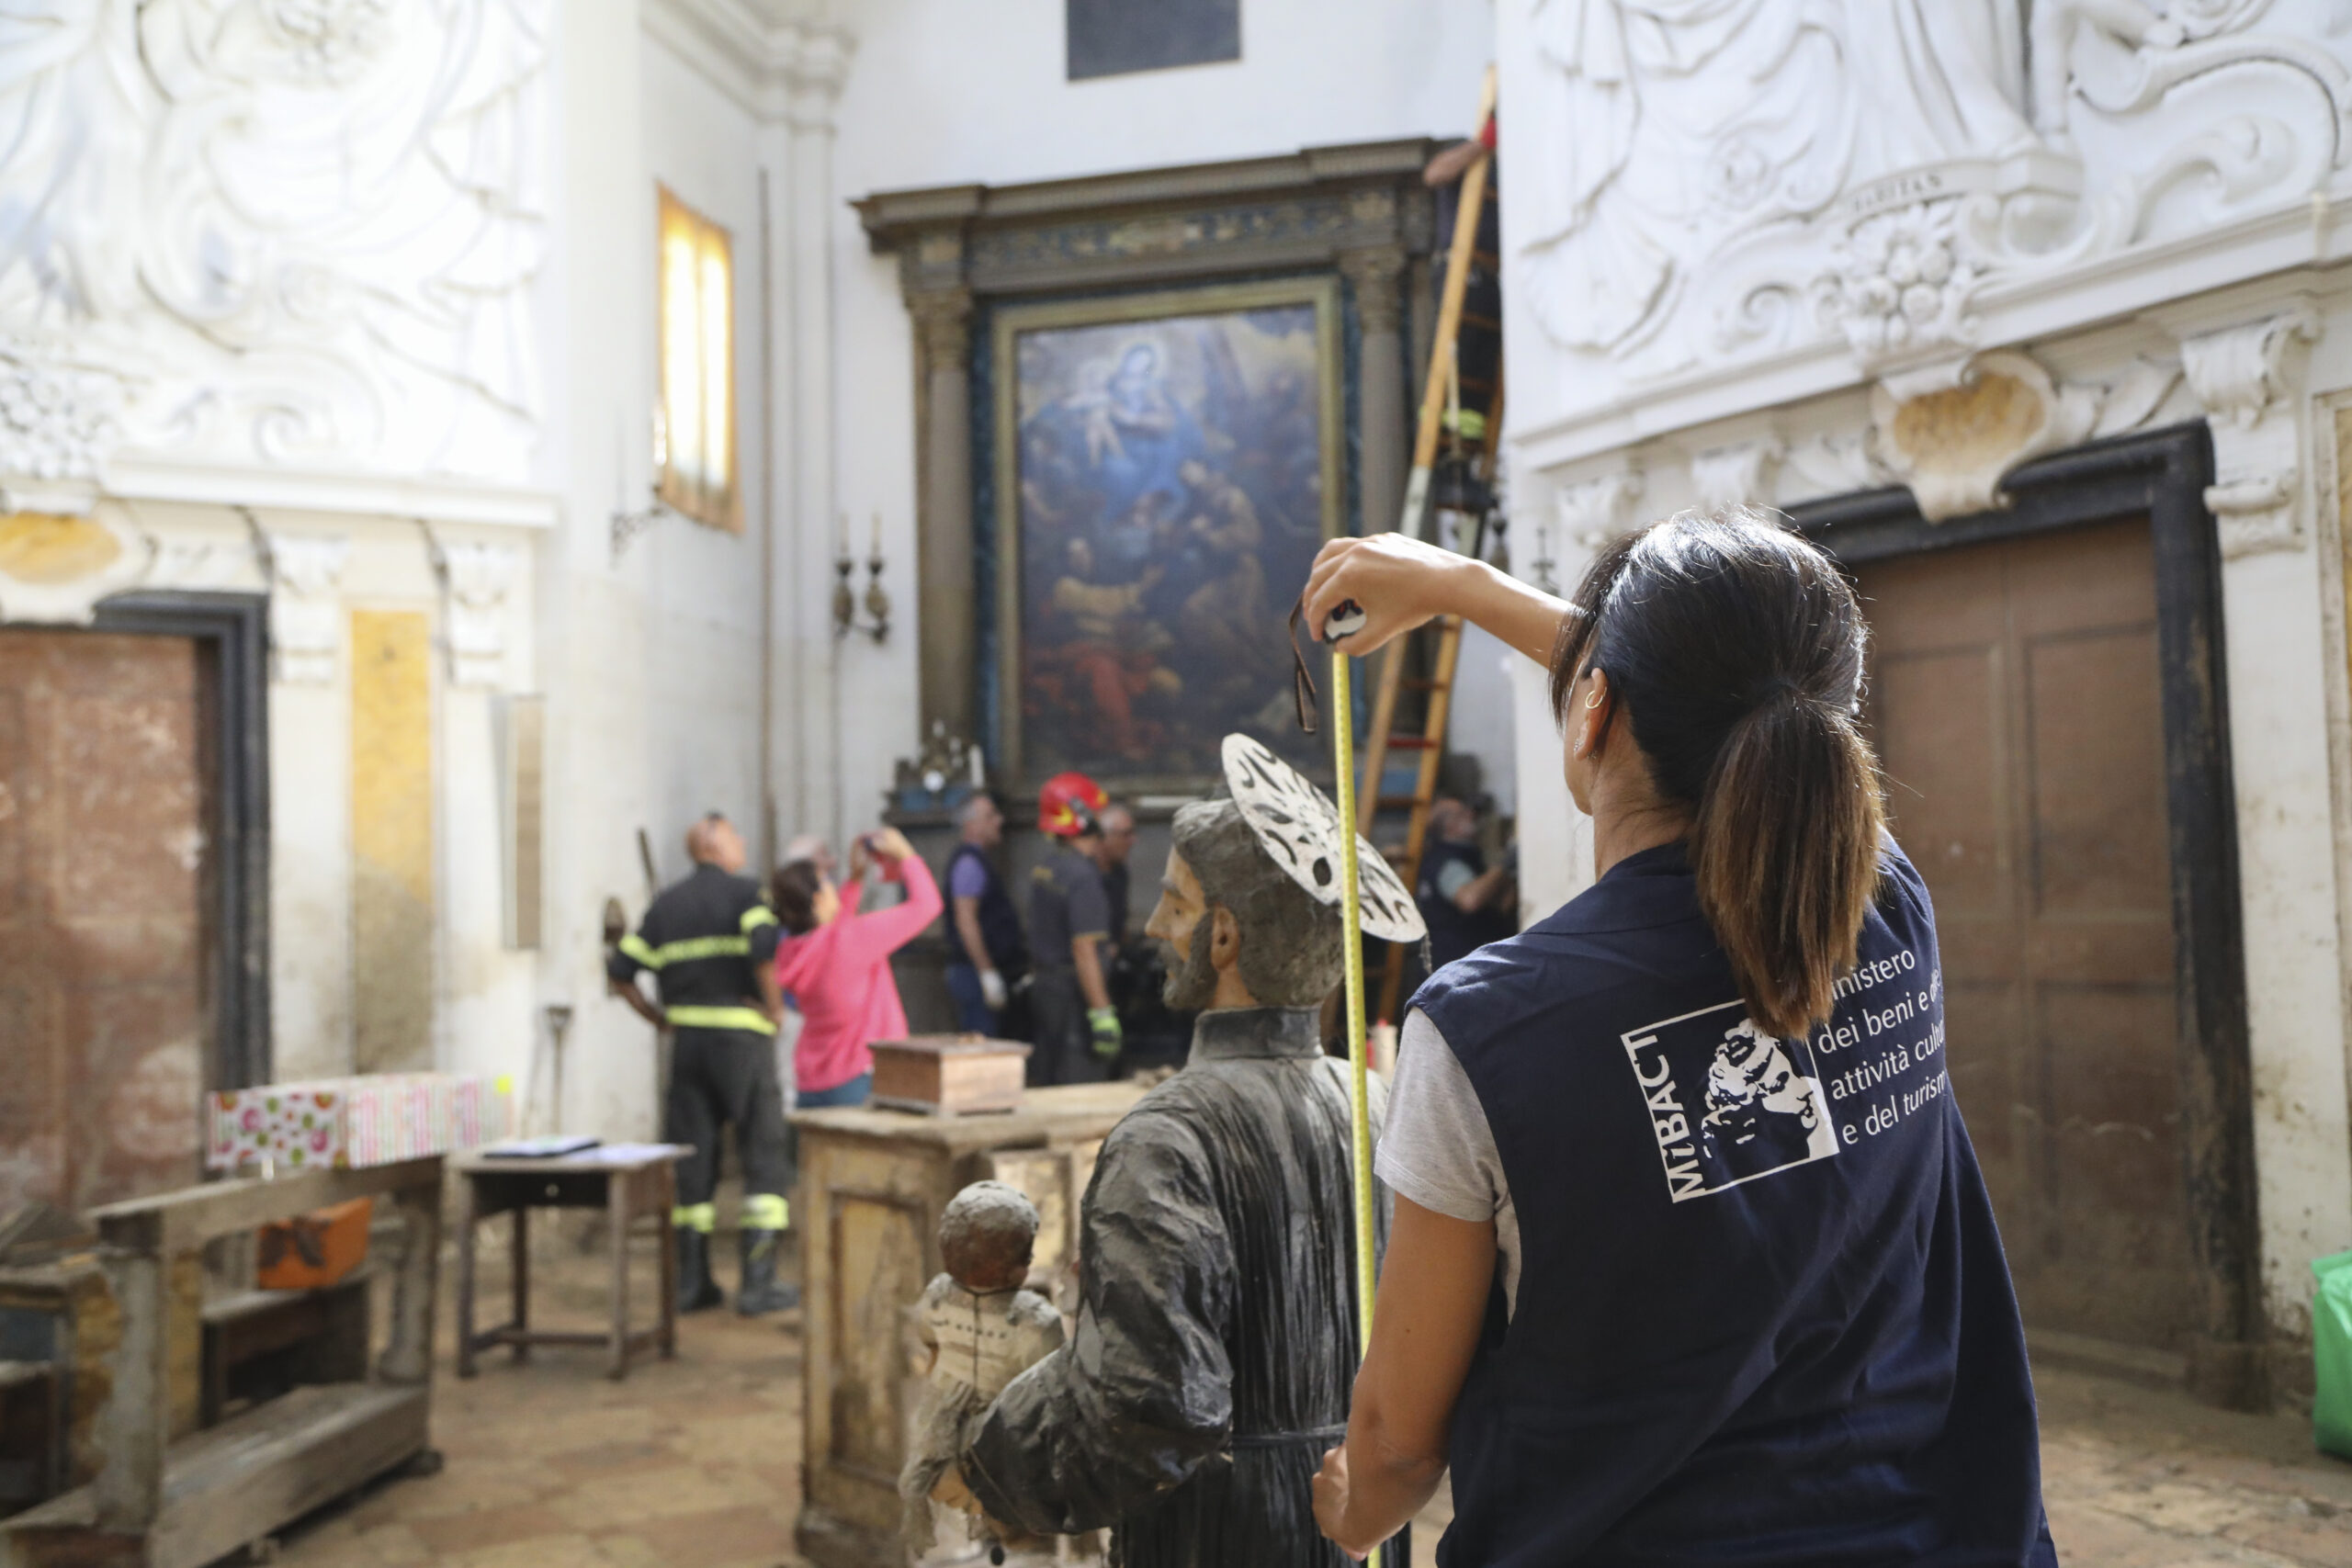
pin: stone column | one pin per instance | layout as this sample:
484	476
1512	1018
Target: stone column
2250	372
947	617
1372	277
806	718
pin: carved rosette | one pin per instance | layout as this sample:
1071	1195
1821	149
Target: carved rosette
56	422
2250	380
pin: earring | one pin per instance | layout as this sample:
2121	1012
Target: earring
1592	699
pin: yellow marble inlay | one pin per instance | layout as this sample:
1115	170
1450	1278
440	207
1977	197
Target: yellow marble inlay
44	548
391	838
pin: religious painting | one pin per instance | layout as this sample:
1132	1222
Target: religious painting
1167	467
1111	37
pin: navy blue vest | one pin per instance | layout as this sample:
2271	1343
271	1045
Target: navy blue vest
1000	921
1763	1312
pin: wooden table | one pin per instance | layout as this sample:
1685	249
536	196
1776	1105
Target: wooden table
627	1182
872	1185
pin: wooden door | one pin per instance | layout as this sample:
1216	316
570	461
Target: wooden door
103	1016
2014	698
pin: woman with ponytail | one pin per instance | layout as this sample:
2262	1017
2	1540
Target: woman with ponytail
1692	1260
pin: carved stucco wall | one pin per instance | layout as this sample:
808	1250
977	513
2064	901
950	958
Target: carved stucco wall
270	232
1933	238
1725	206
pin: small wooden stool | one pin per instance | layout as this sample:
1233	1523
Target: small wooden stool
627	1182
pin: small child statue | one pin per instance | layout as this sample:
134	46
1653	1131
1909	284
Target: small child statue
981	1330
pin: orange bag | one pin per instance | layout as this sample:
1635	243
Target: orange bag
314	1249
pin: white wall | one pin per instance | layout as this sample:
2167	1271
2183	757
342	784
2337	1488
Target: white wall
704	584
593	624
945	91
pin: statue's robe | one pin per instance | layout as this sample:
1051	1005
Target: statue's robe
1216	1330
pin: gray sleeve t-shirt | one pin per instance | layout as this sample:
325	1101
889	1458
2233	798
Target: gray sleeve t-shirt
1437	1148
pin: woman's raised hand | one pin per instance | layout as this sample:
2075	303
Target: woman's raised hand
891	847
1399	583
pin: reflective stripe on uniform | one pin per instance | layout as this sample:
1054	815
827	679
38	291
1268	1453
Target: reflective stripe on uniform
752	1019
756	917
634	946
702	1218
765	1212
687	949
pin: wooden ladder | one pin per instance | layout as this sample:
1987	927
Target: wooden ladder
1447	387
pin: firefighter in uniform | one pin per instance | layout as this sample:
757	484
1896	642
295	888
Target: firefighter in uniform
1078	1032
710	944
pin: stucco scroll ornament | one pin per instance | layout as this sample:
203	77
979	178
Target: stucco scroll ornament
2196	114
1593	511
2250	380
305	608
1745	474
302	232
475	577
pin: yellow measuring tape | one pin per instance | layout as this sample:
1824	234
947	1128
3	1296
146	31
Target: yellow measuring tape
1343	757
1343	748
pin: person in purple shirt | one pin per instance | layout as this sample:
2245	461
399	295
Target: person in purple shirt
988	952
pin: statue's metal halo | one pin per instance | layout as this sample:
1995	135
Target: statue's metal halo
1298	827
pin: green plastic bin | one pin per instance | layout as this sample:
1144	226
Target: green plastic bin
2332	1355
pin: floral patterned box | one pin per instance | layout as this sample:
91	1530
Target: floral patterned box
354	1121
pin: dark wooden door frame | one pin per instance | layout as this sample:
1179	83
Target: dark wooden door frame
2162	475
231	637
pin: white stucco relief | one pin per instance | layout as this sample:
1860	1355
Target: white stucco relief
268	233
1696	188
305	604
2250	380
475	578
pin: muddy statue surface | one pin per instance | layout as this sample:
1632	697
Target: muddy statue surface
1216	1327
981	1330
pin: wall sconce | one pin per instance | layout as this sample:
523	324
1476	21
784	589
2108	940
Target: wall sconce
877	602
627	524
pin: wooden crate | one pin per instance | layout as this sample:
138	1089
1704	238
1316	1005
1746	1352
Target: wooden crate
949	1075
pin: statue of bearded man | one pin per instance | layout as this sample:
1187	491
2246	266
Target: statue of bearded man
1217	1333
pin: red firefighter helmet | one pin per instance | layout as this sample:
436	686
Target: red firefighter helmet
1069	805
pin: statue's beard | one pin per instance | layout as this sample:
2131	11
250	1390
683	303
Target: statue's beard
1191	978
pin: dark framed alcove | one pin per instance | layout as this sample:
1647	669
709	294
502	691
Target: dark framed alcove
2160	477
230	635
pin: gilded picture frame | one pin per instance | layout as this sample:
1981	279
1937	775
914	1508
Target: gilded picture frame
1166	465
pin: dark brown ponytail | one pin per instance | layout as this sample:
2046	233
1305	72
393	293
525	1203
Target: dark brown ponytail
1736	651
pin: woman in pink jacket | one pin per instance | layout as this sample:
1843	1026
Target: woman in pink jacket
836	964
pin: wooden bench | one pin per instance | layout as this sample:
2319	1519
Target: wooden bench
31	1443
159	1504
261	1344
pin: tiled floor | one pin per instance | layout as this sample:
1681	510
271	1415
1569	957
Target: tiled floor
696	1463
